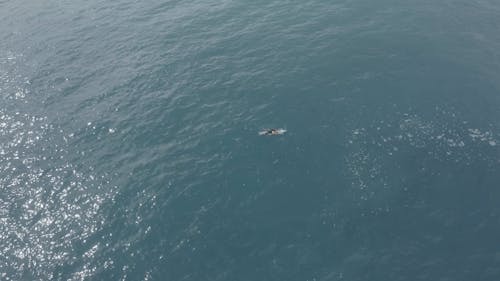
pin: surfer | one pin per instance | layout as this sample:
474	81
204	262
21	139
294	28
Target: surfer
272	132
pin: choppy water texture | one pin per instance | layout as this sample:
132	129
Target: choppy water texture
129	146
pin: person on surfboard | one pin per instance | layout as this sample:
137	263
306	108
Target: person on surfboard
272	132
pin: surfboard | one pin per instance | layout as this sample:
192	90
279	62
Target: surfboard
265	132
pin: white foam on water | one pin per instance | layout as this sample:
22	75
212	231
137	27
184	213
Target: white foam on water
375	146
13	85
47	203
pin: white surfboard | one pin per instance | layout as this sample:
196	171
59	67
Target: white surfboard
276	132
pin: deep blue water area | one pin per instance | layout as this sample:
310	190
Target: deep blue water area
129	146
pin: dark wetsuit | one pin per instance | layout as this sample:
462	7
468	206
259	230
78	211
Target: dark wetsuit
271	132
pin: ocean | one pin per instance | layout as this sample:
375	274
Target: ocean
129	145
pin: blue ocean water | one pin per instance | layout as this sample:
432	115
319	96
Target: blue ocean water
129	146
